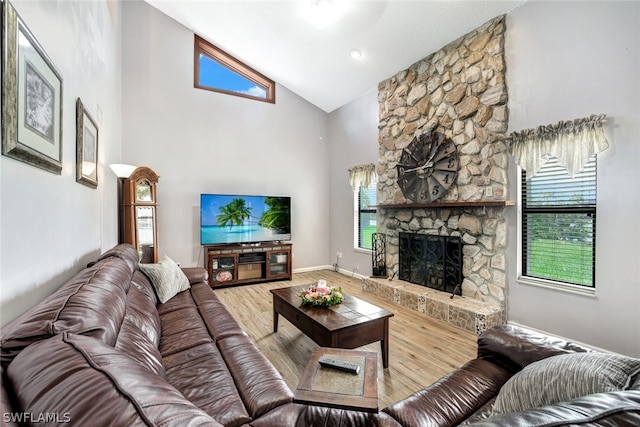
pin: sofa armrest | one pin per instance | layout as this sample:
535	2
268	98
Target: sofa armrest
453	398
196	274
514	347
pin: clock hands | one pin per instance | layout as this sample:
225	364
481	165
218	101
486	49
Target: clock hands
428	164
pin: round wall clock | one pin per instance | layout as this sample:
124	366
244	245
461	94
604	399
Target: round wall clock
428	167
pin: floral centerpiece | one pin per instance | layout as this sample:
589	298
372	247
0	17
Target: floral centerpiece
321	295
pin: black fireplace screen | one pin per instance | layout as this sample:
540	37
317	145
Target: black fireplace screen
431	261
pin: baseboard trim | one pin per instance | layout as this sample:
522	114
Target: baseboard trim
342	271
308	269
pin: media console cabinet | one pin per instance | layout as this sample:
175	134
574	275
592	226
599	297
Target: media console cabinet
230	265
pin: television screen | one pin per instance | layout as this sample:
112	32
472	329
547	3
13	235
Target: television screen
227	218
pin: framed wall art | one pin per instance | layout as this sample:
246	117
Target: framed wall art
31	97
86	147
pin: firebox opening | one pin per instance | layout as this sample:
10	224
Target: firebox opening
431	261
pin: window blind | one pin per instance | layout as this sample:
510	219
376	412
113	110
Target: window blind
367	221
559	224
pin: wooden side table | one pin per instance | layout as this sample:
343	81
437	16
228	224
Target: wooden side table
337	389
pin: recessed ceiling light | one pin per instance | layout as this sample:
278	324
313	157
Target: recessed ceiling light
356	54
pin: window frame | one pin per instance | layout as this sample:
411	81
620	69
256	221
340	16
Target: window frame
201	46
357	237
588	290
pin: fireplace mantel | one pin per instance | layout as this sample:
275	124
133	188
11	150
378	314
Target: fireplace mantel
448	205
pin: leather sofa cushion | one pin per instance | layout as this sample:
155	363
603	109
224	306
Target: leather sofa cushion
219	322
193	318
92	303
139	335
91	383
201	299
453	398
201	375
182	325
259	383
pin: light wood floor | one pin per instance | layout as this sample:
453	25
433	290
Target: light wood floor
421	349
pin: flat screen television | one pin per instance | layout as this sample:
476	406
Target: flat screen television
231	218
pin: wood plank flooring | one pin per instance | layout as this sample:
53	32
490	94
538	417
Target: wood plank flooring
421	349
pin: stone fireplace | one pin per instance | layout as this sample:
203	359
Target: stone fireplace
458	91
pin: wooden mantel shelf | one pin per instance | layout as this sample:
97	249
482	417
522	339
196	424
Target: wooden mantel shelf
448	205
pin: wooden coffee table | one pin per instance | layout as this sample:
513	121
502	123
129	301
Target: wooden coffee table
336	389
351	324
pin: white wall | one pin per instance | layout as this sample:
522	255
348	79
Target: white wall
50	226
353	135
205	142
567	60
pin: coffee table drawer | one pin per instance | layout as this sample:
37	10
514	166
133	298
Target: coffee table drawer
296	317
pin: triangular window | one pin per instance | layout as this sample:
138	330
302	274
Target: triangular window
218	71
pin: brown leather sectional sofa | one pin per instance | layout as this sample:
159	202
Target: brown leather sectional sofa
102	351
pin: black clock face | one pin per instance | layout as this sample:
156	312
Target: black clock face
428	167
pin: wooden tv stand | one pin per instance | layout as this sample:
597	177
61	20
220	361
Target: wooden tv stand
230	265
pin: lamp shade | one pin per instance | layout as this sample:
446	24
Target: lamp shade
122	170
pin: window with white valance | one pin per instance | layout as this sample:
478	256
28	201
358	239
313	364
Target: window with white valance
573	143
362	175
364	181
557	196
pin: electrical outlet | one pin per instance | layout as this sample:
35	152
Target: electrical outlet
488	191
339	255
357	267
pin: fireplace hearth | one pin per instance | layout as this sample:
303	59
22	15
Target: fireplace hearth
432	261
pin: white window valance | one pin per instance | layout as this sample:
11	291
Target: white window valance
362	175
572	142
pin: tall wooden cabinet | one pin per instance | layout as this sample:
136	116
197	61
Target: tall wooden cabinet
140	213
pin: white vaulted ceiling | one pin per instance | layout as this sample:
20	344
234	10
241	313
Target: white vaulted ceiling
283	40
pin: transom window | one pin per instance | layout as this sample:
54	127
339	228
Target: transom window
366	213
218	71
559	225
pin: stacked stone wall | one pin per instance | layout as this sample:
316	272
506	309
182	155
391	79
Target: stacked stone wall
461	92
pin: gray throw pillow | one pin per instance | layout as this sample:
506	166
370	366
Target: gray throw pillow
167	278
565	377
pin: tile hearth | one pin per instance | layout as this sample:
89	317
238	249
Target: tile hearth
466	313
